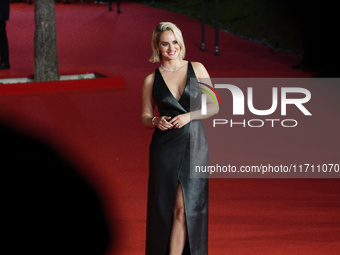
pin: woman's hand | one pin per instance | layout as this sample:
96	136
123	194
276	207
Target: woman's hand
180	120
162	123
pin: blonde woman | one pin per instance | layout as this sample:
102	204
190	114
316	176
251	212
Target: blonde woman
177	209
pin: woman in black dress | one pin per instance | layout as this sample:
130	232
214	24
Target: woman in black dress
177	209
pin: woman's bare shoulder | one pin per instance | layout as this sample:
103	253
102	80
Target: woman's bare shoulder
197	65
200	70
148	80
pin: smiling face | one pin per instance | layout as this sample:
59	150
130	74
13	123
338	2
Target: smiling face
168	46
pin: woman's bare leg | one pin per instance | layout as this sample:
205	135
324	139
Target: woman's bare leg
179	228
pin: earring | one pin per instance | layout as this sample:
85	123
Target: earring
158	52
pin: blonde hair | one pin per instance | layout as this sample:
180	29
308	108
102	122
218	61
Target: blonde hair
162	27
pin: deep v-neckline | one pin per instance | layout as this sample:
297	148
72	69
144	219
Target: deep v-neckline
166	85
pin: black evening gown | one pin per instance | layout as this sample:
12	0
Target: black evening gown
169	164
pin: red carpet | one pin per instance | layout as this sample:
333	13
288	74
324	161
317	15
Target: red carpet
99	130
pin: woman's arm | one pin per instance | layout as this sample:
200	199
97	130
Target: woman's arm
212	108
148	106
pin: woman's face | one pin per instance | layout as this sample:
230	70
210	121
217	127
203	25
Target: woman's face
168	46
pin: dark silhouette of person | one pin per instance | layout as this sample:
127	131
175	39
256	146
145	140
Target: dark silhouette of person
4	51
47	206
